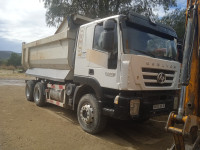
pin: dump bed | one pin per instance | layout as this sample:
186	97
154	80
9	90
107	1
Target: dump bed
52	57
51	52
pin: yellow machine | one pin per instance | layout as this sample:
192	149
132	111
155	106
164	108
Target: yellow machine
185	125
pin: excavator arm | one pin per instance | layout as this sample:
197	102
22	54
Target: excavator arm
185	125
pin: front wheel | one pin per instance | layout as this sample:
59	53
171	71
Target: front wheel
90	115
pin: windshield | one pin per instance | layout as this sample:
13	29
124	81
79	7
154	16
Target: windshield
142	42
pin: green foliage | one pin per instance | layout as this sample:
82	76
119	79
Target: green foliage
3	62
58	9
14	60
176	19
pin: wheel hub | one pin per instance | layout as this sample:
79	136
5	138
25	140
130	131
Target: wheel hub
86	113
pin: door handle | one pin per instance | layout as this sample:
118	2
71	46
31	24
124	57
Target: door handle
91	71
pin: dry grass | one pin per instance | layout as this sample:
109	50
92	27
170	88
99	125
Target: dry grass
13	74
4	67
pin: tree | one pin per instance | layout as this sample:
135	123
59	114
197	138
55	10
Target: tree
58	9
14	60
176	19
3	62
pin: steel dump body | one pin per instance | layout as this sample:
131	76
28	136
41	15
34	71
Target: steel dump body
53	52
52	57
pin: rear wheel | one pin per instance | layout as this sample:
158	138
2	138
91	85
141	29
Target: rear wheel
29	89
90	115
39	94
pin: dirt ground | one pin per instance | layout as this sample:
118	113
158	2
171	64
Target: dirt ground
24	126
13	74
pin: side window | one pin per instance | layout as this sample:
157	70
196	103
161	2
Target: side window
98	36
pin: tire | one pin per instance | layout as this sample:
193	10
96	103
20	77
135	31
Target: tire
29	89
89	114
39	94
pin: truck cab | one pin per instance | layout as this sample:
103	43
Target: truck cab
131	62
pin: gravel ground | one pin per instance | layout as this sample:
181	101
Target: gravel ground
24	126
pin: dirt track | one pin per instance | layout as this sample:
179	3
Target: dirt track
24	126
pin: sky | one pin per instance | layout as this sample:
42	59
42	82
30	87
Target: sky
24	21
181	4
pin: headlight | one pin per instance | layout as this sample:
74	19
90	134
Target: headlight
116	101
134	107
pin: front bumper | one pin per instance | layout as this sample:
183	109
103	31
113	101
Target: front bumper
121	109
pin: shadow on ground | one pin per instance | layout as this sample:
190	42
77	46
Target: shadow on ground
141	136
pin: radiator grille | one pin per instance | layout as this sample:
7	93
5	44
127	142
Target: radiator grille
150	77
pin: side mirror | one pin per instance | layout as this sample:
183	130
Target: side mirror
109	24
108	40
108	35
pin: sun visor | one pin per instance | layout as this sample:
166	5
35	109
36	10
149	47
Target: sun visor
149	23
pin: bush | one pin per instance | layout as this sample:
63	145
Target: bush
3	62
7	67
10	67
14	60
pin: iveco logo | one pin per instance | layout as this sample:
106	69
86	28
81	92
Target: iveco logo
161	78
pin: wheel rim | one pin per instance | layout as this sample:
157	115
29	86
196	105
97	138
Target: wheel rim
37	95
87	113
27	91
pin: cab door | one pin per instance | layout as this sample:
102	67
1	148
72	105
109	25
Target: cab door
102	62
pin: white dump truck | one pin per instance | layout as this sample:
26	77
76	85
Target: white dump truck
121	66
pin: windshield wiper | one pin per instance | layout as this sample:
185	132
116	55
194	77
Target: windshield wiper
146	53
168	58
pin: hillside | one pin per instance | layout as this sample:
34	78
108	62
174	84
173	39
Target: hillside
5	54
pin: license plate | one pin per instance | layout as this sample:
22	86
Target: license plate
158	106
